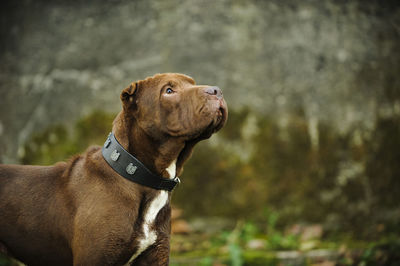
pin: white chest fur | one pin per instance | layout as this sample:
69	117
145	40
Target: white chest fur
150	236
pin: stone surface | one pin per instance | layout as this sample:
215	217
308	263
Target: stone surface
62	59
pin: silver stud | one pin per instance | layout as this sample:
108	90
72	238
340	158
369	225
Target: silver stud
131	169
115	155
107	143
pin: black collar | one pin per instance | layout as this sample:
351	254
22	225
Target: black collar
131	168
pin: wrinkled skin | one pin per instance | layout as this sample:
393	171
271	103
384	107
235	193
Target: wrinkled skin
174	118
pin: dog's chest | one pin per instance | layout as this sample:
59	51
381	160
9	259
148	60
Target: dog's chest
154	207
149	234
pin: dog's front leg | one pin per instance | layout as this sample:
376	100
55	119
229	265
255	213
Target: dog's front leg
101	249
91	257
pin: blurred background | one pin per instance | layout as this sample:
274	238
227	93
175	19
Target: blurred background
307	169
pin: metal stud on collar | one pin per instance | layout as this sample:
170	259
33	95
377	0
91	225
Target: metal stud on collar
115	155
107	143
131	169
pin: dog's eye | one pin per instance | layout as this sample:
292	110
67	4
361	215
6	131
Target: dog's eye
169	91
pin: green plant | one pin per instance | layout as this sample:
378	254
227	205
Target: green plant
276	240
386	252
234	241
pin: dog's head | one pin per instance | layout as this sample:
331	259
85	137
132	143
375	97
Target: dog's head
171	107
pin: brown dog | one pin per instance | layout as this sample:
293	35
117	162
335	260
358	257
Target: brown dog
83	212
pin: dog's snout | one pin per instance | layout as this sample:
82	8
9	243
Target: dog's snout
213	91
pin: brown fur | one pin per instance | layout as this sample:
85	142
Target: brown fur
82	212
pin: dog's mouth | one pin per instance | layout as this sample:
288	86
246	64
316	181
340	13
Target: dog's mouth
217	122
222	116
212	116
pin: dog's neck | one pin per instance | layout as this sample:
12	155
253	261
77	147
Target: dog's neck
160	158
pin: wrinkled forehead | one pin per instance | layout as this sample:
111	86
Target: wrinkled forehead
173	78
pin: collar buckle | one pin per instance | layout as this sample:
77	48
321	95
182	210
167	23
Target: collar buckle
177	180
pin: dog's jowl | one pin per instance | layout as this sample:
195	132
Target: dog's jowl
111	204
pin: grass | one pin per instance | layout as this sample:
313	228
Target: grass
249	244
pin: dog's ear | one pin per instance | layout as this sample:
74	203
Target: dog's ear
129	94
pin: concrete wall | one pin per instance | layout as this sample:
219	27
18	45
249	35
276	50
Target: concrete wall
336	60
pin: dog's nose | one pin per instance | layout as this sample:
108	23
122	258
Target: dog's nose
214	91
